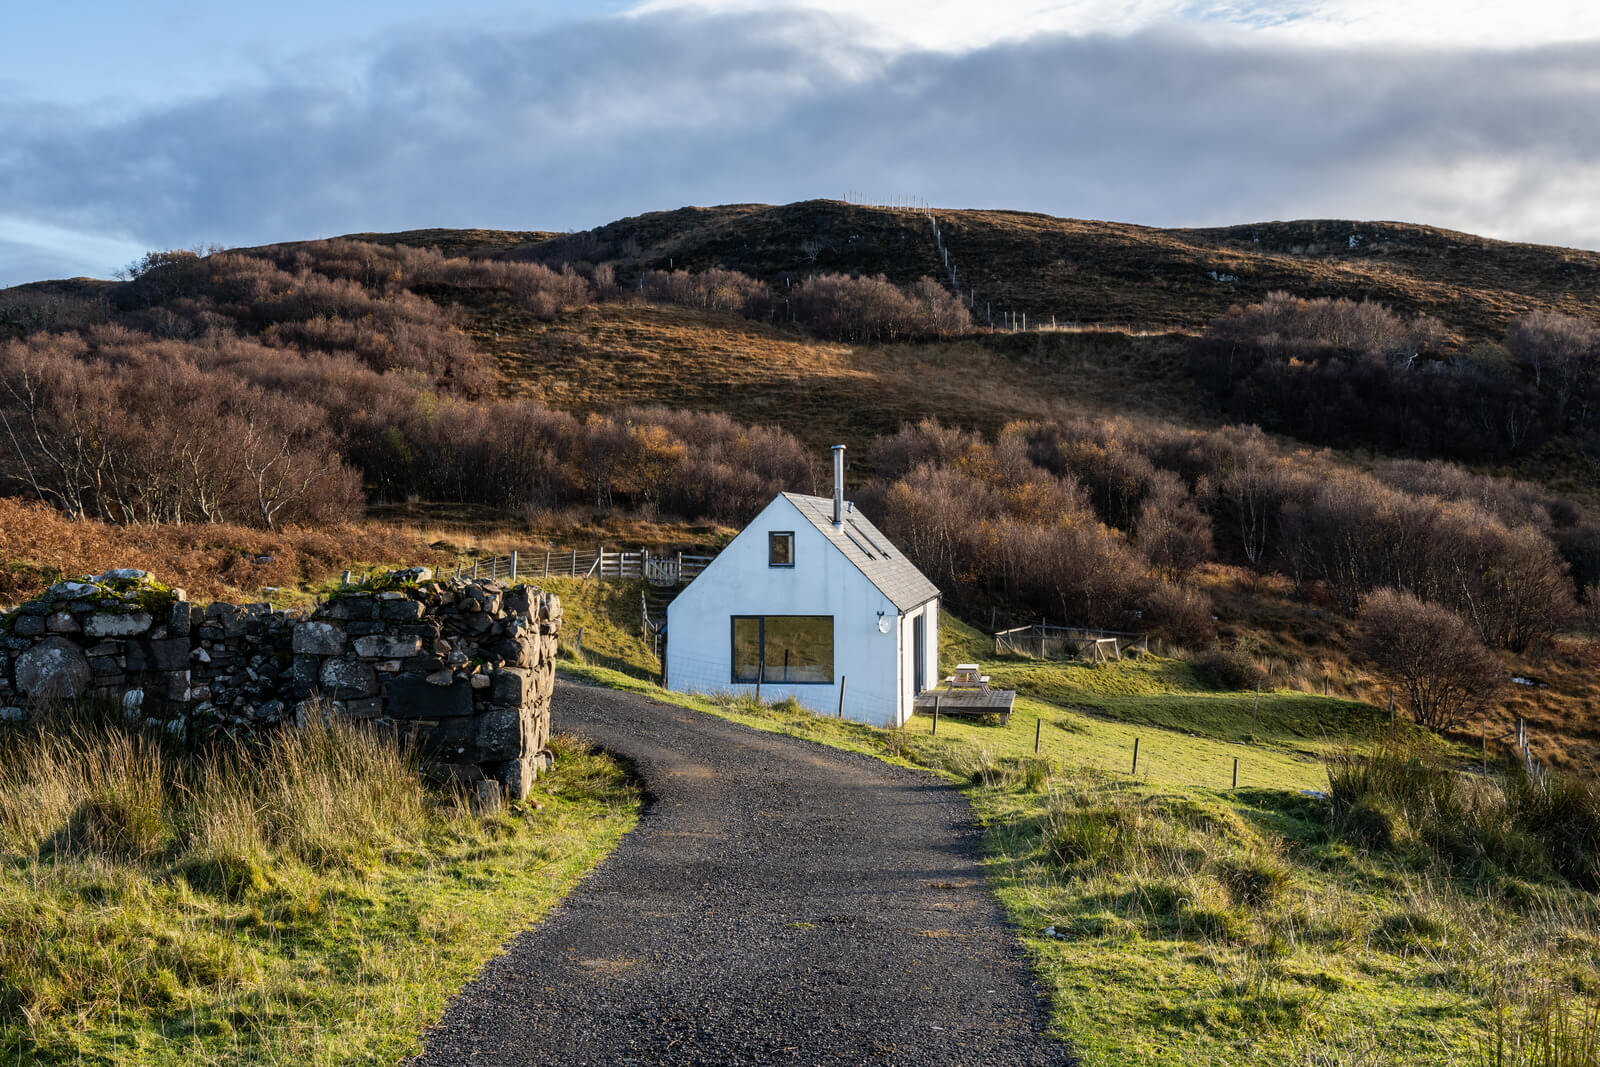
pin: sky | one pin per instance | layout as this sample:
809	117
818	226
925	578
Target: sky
125	128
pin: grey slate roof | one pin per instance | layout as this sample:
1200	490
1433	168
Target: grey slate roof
862	544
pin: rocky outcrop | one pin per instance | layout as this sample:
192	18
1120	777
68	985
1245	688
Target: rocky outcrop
463	669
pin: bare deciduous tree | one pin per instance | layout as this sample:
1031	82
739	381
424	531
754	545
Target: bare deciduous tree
1433	656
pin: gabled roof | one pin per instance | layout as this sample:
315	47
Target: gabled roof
862	544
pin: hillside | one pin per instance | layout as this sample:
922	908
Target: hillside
254	422
443	378
607	357
1088	272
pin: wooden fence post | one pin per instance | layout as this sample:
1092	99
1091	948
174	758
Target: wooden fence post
936	714
1135	756
1236	772
346	579
574	563
474	570
1485	746
1038	731
843	678
547	563
513	566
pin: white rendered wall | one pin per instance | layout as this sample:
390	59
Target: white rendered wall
822	582
908	669
908	652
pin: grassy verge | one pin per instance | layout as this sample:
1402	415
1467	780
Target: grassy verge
312	902
1176	920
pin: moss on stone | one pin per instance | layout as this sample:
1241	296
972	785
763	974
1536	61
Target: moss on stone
402	580
113	596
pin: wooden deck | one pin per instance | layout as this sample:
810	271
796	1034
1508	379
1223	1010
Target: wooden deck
966	701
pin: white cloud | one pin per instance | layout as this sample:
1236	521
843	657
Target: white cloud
960	25
573	127
31	249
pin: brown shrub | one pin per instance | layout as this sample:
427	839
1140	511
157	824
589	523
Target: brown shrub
843	308
1179	613
1432	655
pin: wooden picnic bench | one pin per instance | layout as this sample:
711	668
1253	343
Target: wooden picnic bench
967	677
966	692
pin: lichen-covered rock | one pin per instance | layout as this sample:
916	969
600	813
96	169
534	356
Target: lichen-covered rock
124	574
52	669
499	734
347	679
387	646
109	624
318	639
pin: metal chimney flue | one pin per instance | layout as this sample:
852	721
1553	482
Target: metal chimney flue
838	485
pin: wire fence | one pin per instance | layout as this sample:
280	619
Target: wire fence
1158	756
1067	642
659	568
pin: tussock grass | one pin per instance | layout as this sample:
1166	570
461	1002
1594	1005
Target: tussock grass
1404	796
312	899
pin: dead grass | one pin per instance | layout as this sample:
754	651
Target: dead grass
606	357
473	529
38	546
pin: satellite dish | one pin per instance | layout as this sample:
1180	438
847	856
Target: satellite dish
883	623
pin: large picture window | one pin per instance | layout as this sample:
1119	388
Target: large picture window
797	649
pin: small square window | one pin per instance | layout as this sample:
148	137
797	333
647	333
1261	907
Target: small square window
780	549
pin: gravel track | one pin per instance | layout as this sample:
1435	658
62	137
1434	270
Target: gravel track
779	902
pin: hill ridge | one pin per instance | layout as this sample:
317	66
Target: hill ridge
1084	271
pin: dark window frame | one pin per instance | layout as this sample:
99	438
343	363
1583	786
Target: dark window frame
761	650
772	536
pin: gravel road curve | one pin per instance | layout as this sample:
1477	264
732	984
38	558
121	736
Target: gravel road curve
779	902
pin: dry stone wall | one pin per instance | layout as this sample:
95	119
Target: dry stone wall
462	668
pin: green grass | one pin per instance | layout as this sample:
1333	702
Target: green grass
610	618
317	903
1170	694
1188	734
1175	920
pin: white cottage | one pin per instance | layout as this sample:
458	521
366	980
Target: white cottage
809	601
